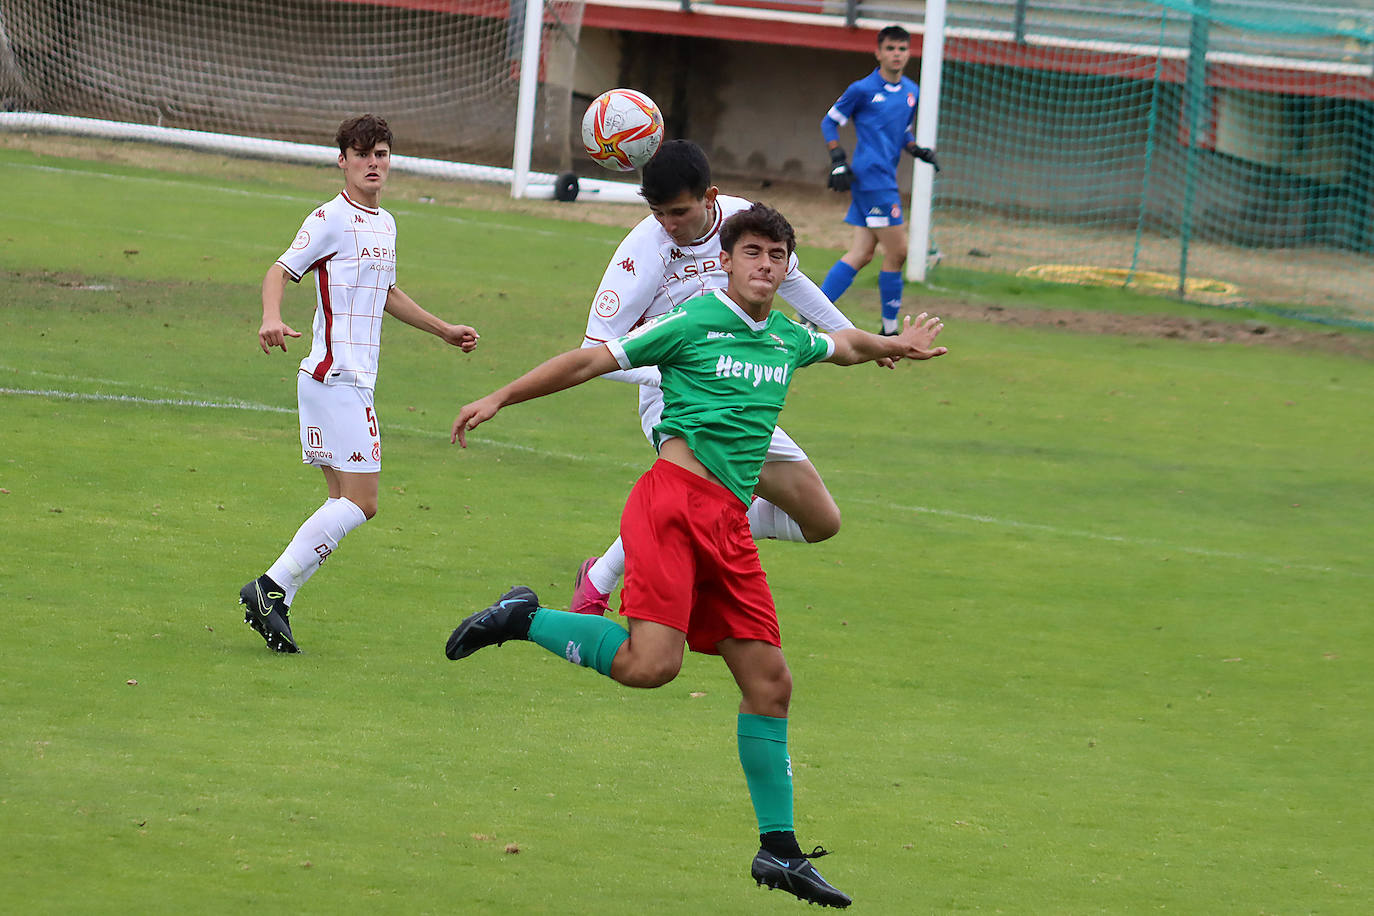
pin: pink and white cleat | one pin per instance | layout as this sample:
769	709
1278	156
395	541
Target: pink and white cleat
586	599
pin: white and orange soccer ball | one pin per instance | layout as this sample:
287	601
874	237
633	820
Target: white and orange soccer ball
622	129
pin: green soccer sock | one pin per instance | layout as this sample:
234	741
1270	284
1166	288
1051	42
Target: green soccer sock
583	639
767	769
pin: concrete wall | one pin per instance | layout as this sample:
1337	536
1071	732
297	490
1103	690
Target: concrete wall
756	109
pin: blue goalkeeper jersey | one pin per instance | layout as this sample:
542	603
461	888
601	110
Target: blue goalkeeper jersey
882	113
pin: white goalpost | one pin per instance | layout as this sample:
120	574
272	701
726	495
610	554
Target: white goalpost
468	85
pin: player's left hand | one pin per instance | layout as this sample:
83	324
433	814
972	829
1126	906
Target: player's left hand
461	336
925	154
470	417
887	362
917	336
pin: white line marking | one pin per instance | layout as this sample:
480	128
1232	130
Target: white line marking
567	456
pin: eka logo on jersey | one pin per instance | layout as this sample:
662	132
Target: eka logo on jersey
607	303
302	239
628	266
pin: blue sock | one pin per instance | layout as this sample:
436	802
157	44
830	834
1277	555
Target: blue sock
890	291
838	280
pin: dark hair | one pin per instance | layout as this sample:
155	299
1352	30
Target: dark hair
759	219
679	165
894	32
362	133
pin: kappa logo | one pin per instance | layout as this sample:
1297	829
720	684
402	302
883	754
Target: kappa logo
675	254
358	218
879	97
628	266
356	456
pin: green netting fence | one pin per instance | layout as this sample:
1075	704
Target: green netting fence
1222	151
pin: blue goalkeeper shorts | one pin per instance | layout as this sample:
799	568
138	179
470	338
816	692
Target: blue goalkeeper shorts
875	209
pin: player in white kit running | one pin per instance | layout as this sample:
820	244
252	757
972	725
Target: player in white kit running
349	243
669	257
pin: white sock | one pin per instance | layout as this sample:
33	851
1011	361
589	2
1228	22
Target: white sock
606	572
768	521
891	325
315	540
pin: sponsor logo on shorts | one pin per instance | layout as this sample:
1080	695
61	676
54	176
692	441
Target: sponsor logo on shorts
313	453
313	437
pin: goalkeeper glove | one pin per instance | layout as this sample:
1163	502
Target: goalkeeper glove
840	175
925	154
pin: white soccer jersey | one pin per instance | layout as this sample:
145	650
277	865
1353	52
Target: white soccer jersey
650	273
352	250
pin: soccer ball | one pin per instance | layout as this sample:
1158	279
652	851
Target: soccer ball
622	129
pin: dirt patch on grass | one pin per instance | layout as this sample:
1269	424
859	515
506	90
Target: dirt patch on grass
1250	333
987	244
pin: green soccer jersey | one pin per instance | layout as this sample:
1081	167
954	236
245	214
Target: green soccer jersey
725	378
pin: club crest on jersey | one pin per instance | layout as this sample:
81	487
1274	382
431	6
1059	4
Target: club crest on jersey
607	303
628	266
782	344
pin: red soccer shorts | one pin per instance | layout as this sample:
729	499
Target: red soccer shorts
690	562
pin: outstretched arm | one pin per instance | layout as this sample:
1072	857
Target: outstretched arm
401	306
855	346
562	372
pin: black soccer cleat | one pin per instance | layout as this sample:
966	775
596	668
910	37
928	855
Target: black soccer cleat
265	611
798	877
508	618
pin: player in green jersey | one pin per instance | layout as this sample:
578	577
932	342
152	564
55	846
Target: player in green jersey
692	573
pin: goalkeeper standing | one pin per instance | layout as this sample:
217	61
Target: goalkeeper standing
882	106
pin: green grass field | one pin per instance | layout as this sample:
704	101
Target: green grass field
1095	637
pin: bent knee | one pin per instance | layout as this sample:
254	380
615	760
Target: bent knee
822	527
649	672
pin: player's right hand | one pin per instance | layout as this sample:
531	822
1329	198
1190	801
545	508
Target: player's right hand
840	176
274	334
470	417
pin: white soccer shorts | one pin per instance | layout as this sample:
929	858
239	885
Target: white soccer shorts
338	426
782	448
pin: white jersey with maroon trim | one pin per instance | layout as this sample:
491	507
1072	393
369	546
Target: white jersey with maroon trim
650	274
352	250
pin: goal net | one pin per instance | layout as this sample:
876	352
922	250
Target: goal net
445	73
1221	148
